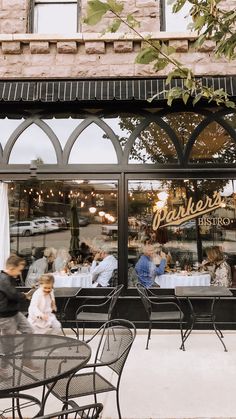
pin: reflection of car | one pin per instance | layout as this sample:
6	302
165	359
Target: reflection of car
46	225
110	230
83	221
61	221
24	228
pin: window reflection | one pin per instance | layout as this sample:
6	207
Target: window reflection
183	124
213	145
153	146
176	217
76	218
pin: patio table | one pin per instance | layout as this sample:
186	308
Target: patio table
55	357
172	280
211	294
78	279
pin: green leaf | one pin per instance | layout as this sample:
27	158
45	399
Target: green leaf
230	104
115	6
114	25
146	56
185	97
160	64
95	11
196	99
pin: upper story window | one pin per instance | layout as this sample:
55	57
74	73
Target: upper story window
175	22
55	16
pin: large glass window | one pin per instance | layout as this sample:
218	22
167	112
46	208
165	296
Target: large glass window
182	218
77	218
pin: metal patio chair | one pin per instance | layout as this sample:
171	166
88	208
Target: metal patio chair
97	313
161	309
116	339
91	411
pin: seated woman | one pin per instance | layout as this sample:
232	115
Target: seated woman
62	259
146	268
40	267
218	268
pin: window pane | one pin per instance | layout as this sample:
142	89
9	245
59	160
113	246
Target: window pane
158	215
183	124
123	126
177	22
7	126
153	146
213	145
93	146
55	18
33	144
42	215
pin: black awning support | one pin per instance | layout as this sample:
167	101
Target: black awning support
100	90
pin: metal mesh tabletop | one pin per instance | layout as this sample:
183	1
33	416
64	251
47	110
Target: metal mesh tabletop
33	360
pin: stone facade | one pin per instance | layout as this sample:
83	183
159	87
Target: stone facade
90	54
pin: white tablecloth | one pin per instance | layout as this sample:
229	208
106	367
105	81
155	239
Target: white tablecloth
83	280
181	280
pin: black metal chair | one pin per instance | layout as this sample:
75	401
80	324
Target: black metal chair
116	339
91	411
161	309
97	313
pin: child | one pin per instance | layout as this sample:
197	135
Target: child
41	308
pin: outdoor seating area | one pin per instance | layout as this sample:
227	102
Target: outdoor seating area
193	388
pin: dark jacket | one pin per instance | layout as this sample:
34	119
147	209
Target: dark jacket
10	297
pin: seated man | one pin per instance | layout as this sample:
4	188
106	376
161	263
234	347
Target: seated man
146	268
102	272
40	267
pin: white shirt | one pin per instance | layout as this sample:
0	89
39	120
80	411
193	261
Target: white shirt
102	272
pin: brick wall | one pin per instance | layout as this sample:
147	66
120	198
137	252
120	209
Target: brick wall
89	54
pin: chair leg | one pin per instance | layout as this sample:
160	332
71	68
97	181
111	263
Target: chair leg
118	403
182	336
149	333
83	330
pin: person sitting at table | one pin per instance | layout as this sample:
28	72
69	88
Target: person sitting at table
85	254
146	268
40	267
62	259
102	268
218	267
42	307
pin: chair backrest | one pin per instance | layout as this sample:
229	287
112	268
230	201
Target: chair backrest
91	411
117	337
113	281
113	298
145	299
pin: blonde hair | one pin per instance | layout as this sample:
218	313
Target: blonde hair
49	251
46	279
214	254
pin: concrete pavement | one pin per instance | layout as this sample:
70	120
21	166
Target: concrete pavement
165	382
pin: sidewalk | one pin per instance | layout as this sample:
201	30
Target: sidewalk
165	382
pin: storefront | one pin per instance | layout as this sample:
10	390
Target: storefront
119	160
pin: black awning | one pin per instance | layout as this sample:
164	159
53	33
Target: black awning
100	90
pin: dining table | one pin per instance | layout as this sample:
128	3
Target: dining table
53	357
77	279
183	278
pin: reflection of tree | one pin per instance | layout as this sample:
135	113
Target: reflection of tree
153	145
